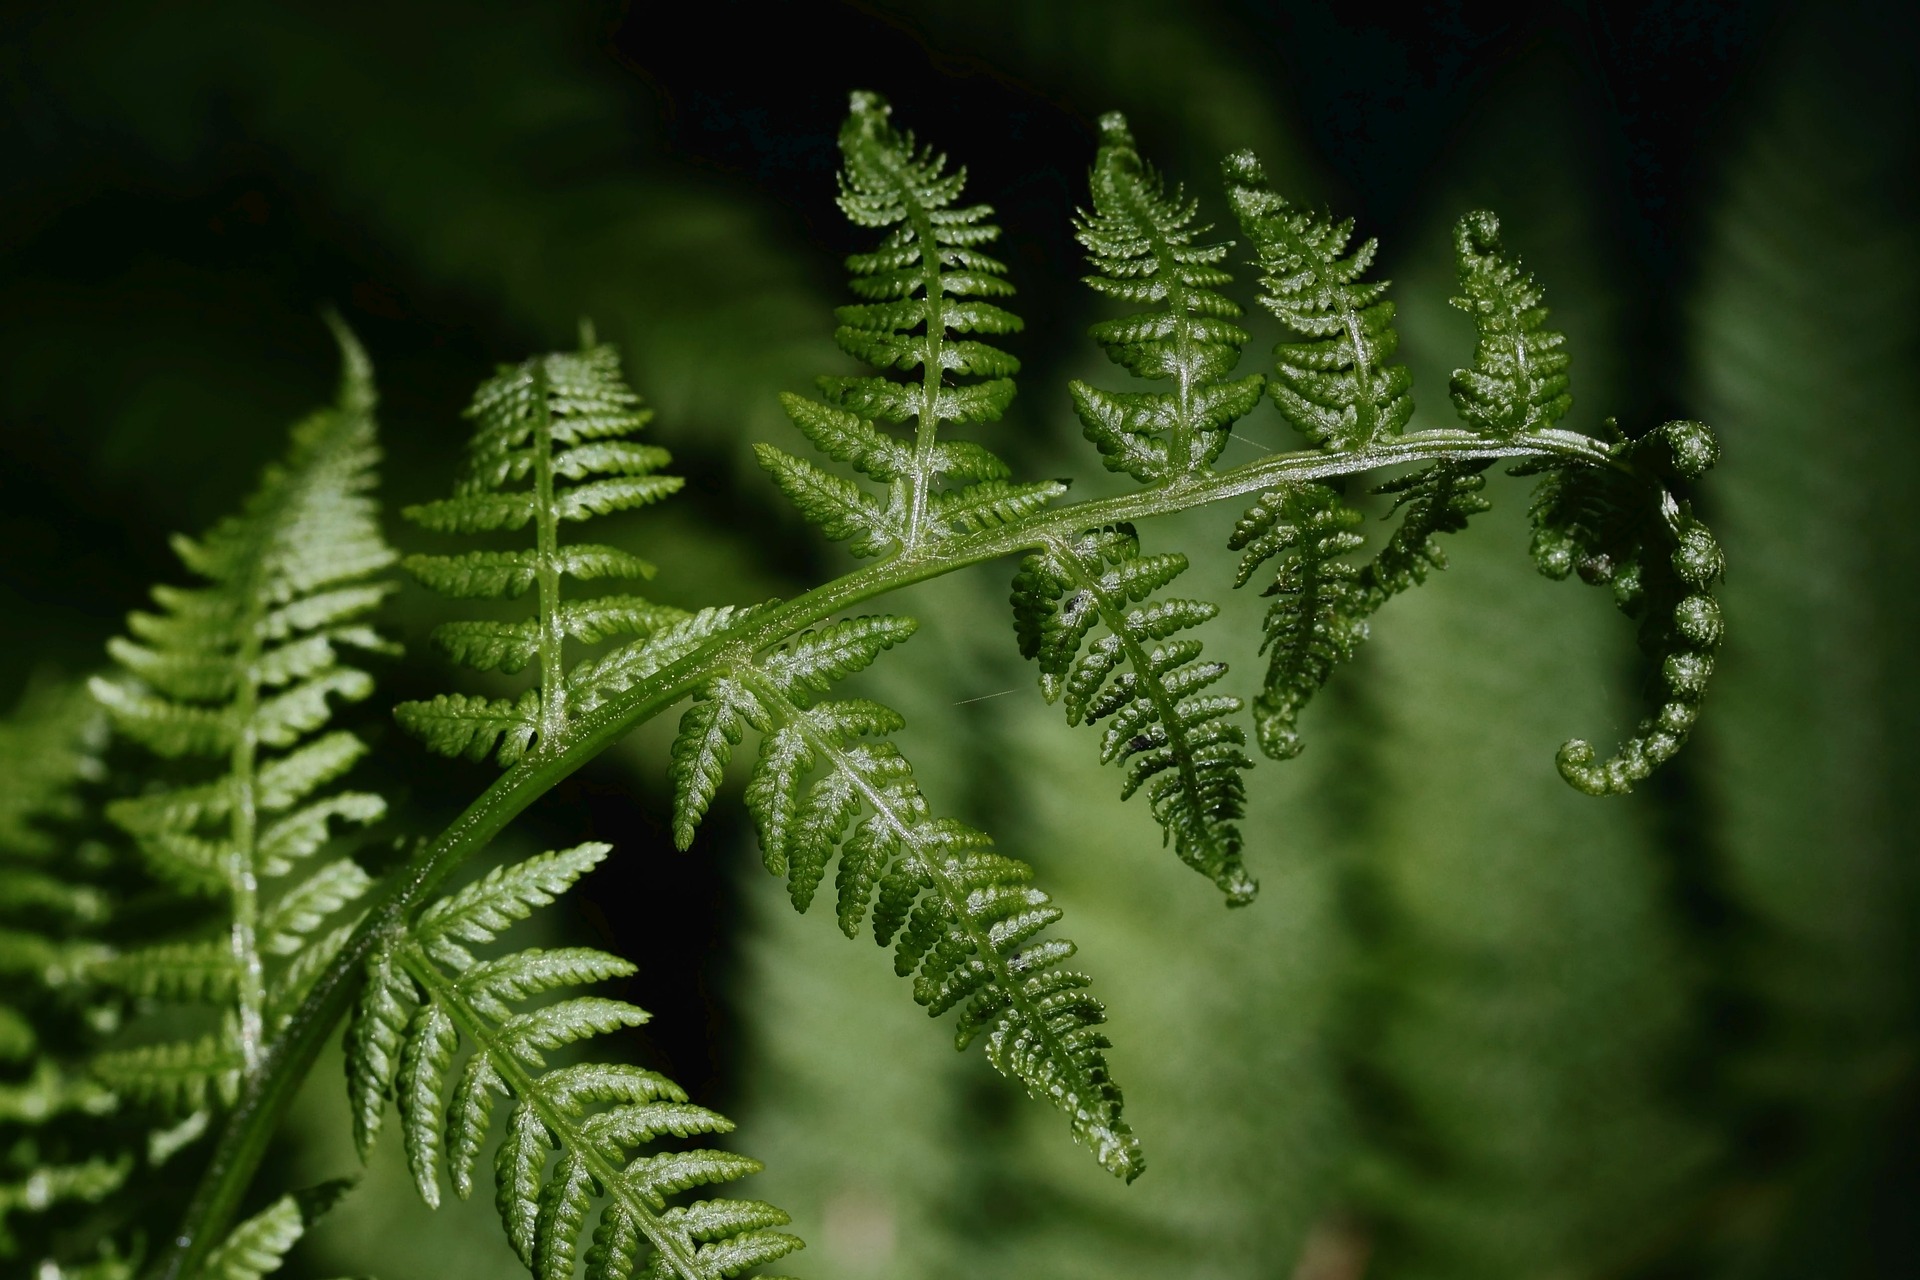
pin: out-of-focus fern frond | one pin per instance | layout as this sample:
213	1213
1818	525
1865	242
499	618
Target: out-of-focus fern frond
256	1248
53	909
554	419
922	289
243	671
428	993
1140	242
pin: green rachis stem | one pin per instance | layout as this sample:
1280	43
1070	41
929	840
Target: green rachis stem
267	1091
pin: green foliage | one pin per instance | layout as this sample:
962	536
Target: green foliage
241	671
258	1246
1140	240
923	286
964	921
427	993
1626	530
1333	385
54	910
245	672
552	419
1173	737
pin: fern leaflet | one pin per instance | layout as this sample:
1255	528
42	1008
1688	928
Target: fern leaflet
925	285
565	417
963	920
243	670
1334	385
54	909
1140	241
1148	682
427	993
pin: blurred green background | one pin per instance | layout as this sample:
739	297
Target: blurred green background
1476	1025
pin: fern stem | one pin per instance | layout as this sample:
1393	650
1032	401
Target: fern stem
671	1245
242	878
552	701
926	429
266	1093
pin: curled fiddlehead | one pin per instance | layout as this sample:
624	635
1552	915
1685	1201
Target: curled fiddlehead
1622	524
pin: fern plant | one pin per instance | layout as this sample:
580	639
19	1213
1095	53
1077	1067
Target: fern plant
246	672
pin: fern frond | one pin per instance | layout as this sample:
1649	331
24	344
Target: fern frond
1625	527
245	669
258	1246
828	784
1140	242
54	913
1321	601
427	995
922	288
1149	686
550	446
1518	381
1334	385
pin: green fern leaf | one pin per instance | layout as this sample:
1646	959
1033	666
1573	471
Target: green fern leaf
1318	617
594	681
1140	242
1518	381
709	731
921	289
246	668
1173	738
555	418
1334	385
593	1115
928	881
479	912
257	1247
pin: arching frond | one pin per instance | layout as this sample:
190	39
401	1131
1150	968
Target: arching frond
1140	242
244	671
1335	384
551	420
1147	682
922	289
428	994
